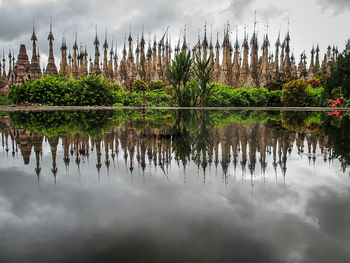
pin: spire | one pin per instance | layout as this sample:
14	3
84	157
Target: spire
97	69
51	67
217	46
34	67
184	45
105	44
34	39
236	43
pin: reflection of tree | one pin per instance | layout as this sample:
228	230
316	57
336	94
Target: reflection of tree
181	142
189	137
337	131
294	120
202	142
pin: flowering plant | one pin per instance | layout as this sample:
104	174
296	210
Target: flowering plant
334	104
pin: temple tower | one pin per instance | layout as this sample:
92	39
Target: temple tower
245	67
236	63
184	44
317	60
264	72
276	65
287	64
97	69
217	58
252	78
34	68
64	65
75	70
312	67
51	68
142	57
21	69
105	57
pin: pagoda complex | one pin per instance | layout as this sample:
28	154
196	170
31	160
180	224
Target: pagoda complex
235	64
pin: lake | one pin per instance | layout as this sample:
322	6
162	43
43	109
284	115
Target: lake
174	186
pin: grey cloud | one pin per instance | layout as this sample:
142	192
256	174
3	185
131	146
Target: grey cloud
271	12
80	16
239	8
338	6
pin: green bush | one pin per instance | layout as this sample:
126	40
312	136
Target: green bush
314	97
274	98
57	90
276	83
156	84
139	85
294	93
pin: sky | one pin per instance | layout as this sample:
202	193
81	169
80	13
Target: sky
323	22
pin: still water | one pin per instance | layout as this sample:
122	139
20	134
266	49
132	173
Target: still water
174	186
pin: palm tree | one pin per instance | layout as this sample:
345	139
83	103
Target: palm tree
179	74
204	72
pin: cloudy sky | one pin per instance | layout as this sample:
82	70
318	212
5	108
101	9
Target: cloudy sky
311	22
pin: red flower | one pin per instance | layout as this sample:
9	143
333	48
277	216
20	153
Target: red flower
330	100
330	113
341	98
337	113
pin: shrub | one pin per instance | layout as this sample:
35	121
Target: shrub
276	83
294	93
156	84
56	90
139	85
314	97
274	98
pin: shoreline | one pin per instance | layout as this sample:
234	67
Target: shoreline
80	108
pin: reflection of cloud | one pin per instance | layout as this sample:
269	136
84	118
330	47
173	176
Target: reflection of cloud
168	220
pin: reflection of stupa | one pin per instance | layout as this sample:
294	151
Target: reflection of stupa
246	145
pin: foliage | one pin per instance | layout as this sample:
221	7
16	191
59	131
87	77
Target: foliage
338	84
274	99
314	97
156	84
204	72
57	90
337	132
139	85
294	93
4	100
179	73
61	123
314	82
157	98
276	83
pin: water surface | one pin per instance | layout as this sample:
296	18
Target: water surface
174	186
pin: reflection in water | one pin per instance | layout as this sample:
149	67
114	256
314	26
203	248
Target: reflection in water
177	186
242	145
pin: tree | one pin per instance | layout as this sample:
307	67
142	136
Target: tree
338	84
294	93
179	73
204	72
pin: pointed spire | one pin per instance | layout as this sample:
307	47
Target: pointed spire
184	45
50	37
217	46
33	35
105	44
96	41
